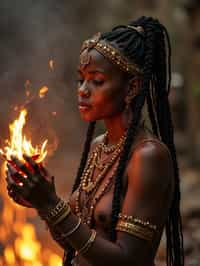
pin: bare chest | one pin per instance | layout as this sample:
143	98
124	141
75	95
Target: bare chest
96	206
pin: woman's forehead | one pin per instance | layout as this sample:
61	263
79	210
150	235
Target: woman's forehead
92	59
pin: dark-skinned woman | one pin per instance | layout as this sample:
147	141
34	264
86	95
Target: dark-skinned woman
127	187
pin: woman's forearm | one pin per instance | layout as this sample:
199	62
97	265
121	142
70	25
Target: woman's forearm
113	254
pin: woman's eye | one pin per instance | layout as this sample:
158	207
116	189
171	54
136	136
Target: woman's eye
98	82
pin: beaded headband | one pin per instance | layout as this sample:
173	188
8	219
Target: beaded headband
109	52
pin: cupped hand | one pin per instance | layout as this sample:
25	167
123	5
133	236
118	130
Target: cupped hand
30	185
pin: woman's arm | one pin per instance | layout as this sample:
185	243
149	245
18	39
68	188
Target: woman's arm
148	198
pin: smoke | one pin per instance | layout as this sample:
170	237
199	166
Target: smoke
33	33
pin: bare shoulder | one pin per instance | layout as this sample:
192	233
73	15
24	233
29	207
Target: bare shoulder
151	160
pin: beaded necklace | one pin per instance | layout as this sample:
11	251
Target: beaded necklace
89	186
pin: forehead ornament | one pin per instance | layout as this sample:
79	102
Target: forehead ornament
87	45
111	53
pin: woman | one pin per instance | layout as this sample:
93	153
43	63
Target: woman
127	187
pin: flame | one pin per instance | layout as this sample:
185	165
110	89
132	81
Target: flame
51	64
43	91
19	144
18	238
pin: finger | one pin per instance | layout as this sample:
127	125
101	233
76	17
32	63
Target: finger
14	177
9	179
16	190
32	163
21	166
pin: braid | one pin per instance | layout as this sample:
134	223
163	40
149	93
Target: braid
85	153
90	132
136	105
173	225
148	50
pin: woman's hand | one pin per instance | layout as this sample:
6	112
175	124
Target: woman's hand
30	185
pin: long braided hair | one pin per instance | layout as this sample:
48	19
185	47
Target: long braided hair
152	52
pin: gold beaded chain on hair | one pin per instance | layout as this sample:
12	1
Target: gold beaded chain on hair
111	53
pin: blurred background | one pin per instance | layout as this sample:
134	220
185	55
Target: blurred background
39	50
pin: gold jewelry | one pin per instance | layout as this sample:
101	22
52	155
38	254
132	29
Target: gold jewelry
56	210
131	219
136	230
111	53
62	216
88	243
69	233
89	186
56	214
112	148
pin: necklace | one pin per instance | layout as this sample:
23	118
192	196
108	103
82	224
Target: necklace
109	149
88	186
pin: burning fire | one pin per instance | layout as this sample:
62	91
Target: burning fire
51	64
43	91
19	144
18	241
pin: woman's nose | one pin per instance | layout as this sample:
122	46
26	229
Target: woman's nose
83	91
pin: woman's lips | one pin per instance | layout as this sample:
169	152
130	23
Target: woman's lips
83	106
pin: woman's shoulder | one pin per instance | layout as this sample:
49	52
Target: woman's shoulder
151	146
151	159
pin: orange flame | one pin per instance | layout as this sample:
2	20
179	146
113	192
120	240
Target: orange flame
51	64
43	91
17	236
19	144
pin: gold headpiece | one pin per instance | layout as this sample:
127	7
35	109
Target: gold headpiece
111	53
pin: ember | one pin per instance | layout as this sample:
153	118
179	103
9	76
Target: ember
43	91
51	64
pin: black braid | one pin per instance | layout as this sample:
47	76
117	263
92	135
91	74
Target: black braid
137	104
149	51
90	133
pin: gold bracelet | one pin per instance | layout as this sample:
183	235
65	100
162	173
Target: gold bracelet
60	206
135	230
73	230
61	217
88	244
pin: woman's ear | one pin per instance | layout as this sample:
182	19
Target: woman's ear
133	89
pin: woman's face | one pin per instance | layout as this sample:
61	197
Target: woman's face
101	87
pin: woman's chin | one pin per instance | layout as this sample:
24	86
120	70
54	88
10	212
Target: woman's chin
87	117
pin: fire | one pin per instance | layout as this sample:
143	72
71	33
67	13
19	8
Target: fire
19	144
51	64
43	91
18	237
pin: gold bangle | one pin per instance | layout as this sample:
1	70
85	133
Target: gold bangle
88	243
135	230
62	216
131	219
73	230
60	206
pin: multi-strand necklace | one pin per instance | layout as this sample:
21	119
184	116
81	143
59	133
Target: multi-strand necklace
89	185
